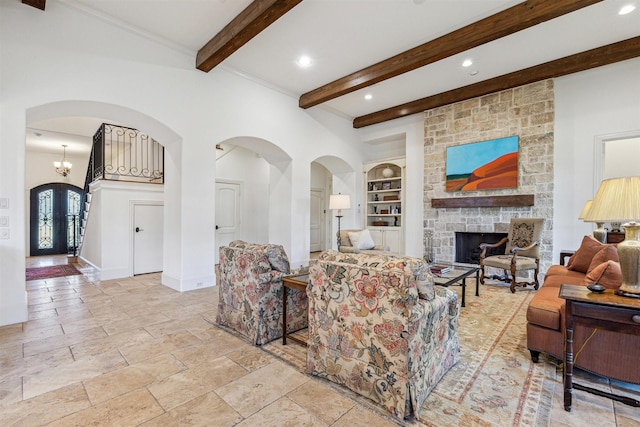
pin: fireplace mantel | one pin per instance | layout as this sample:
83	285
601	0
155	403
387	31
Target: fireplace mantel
484	202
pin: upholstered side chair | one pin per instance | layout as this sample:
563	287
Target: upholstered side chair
522	253
251	292
379	326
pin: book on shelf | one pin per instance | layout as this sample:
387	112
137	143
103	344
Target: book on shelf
440	269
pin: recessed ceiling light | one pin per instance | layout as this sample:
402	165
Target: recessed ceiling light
473	72
467	63
627	9
368	96
304	61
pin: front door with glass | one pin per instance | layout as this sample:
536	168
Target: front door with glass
55	222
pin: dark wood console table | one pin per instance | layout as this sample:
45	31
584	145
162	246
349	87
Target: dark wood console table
606	311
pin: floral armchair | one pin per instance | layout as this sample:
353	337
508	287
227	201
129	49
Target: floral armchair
379	326
251	292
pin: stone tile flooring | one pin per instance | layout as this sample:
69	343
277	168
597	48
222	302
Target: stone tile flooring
132	352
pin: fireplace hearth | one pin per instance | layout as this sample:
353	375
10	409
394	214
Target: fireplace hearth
468	245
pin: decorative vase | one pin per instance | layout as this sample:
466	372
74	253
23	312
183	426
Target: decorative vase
387	172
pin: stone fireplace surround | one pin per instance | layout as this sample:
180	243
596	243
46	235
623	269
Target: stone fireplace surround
526	111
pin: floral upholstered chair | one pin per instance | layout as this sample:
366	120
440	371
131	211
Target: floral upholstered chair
379	326
251	292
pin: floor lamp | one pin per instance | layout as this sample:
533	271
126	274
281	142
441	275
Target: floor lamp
339	202
618	199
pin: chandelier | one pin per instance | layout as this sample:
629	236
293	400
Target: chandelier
63	167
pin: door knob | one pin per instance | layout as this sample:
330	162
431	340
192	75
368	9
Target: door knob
138	229
217	226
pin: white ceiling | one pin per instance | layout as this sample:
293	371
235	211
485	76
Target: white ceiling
344	36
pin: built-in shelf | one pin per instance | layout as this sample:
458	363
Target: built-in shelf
383	213
484	202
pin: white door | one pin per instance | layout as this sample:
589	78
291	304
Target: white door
228	214
317	220
148	223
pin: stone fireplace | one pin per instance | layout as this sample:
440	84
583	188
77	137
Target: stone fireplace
526	111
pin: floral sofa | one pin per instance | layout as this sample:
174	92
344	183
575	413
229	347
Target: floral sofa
379	326
251	292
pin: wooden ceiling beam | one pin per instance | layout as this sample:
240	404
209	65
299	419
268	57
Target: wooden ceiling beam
509	21
248	24
38	4
604	55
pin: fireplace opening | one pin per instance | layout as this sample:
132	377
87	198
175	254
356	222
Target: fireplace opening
468	246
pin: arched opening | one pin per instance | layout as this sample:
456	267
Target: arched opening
70	114
253	180
337	176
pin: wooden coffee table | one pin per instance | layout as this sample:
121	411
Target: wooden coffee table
298	282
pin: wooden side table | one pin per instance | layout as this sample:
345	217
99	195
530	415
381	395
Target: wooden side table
565	253
606	311
299	283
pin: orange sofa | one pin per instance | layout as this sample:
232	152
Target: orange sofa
609	354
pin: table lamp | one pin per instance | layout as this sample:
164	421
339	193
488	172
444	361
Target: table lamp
618	200
339	202
600	233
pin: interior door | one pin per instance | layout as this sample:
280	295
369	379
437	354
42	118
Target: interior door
54	223
148	220
317	220
228	214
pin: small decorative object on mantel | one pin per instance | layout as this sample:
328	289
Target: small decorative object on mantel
387	172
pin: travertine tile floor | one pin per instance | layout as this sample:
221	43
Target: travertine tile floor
132	352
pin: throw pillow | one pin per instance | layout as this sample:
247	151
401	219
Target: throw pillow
361	239
608	274
607	253
278	258
424	280
582	258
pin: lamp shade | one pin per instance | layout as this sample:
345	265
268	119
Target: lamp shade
585	210
339	201
617	199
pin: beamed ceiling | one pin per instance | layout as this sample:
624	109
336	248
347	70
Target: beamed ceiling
406	54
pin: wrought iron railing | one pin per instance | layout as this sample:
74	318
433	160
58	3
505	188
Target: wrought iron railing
123	153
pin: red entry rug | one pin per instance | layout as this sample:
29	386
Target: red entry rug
38	273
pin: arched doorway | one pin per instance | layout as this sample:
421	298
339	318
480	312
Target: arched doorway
54	219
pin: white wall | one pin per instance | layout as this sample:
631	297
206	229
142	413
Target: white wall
245	166
112	205
321	180
589	105
409	131
61	64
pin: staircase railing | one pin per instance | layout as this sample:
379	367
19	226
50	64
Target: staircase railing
121	154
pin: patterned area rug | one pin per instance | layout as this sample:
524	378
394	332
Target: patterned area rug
38	273
495	383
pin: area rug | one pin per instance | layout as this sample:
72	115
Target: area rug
495	383
50	272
